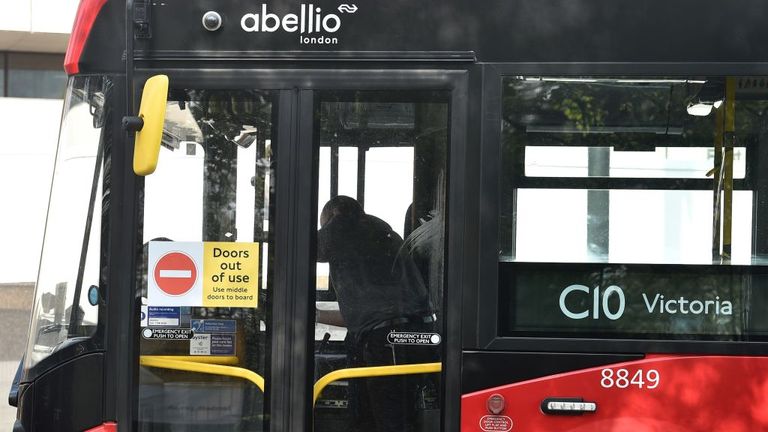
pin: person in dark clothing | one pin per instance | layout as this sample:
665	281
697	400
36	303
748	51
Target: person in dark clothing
379	290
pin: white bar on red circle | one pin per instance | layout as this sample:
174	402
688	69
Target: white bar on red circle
176	274
163	279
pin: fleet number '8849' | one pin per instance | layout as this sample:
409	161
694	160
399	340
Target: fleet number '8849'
623	378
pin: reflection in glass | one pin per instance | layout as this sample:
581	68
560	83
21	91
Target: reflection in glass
662	162
214	183
604	136
622	215
70	261
381	212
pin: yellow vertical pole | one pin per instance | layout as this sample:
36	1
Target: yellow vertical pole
729	135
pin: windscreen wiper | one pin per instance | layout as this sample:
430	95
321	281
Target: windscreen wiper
75	318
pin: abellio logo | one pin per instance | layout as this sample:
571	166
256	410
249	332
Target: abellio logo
308	22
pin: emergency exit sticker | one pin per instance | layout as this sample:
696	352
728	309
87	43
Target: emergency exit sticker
213	274
496	423
413	338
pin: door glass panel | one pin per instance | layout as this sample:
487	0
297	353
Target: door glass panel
213	193
380	252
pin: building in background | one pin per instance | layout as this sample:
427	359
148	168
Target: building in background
33	39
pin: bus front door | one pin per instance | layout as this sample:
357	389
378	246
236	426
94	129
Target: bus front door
277	213
379	275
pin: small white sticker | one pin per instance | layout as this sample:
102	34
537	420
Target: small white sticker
496	423
200	344
163	316
413	338
144	315
167	333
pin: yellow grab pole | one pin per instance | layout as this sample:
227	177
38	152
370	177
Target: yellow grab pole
730	130
717	185
168	362
219	360
373	371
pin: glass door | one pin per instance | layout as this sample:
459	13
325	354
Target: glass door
243	262
206	264
380	253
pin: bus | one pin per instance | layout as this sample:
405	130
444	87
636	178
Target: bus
566	200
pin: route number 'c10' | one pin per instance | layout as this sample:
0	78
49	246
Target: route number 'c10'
597	304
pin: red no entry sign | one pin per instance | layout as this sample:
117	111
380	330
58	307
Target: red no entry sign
175	273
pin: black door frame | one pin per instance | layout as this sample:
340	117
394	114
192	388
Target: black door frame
290	374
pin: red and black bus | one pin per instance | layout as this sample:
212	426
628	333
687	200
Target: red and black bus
578	185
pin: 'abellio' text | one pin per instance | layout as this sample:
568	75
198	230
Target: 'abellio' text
309	21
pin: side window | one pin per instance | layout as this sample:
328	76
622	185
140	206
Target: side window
380	255
206	273
629	207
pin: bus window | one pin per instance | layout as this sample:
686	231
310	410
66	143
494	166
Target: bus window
626	213
70	264
213	190
380	253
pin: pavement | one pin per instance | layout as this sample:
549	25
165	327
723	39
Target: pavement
7	412
15	304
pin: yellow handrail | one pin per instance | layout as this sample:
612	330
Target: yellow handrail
373	371
167	362
219	360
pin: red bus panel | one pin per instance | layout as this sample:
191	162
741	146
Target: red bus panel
660	393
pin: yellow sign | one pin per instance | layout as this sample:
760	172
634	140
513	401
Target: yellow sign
231	274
